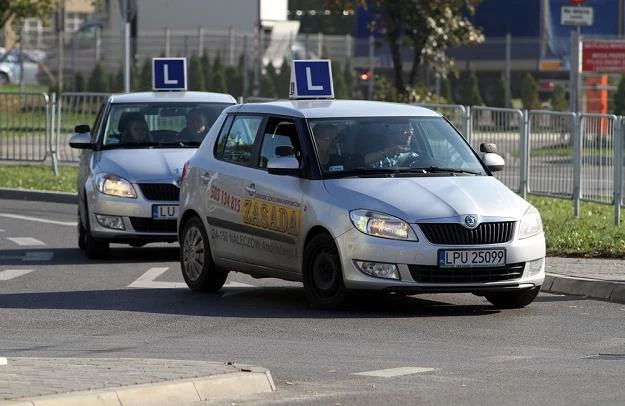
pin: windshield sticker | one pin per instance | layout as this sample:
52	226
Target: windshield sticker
274	217
335	168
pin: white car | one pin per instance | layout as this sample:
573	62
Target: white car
11	65
400	202
128	188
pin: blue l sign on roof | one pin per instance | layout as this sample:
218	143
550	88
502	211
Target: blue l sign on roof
169	73
311	79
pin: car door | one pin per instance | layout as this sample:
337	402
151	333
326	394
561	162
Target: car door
225	183
271	205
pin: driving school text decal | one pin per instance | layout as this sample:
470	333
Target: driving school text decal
274	217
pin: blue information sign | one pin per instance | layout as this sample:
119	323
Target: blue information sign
169	73
311	79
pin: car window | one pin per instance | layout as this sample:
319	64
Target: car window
166	123
278	133
237	144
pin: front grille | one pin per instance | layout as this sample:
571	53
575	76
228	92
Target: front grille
147	225
457	234
434	274
160	191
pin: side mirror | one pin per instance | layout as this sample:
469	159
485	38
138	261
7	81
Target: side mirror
81	140
283	165
493	162
488	147
82	128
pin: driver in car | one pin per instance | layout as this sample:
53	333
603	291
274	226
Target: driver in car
397	151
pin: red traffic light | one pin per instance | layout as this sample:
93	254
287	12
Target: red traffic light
577	2
364	75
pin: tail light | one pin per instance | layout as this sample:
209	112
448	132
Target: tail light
185	168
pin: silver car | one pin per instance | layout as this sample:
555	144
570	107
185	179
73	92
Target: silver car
18	66
131	162
355	195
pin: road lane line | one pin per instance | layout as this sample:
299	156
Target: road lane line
39	220
392	372
147	281
13	273
26	241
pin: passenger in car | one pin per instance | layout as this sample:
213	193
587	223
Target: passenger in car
197	126
397	151
136	130
325	139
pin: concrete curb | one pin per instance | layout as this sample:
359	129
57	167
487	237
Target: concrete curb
612	291
38	196
184	391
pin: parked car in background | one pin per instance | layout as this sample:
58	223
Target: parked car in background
131	162
17	66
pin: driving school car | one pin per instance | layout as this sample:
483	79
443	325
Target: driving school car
397	201
127	190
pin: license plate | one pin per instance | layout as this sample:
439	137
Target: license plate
164	212
471	258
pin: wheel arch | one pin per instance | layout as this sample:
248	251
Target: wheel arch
185	217
312	233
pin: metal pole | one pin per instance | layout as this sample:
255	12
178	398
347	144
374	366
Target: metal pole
507	95
200	41
618	169
245	69
61	33
74	62
577	162
371	63
126	47
256	85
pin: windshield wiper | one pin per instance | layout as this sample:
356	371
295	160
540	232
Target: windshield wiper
438	169
372	172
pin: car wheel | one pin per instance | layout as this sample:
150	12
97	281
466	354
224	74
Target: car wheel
82	234
323	274
4	79
513	300
95	248
198	269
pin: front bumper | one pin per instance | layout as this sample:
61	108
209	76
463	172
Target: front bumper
136	217
419	272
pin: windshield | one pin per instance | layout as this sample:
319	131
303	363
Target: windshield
377	145
159	124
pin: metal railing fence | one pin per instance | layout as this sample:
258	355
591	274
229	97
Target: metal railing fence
564	155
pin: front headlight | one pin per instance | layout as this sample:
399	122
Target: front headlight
114	185
382	225
531	224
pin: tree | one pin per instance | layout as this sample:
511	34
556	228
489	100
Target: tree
446	90
97	80
196	74
472	96
530	92
145	75
499	99
558	99
20	9
428	27
619	97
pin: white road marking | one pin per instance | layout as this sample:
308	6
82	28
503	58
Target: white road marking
13	273
26	241
147	281
39	220
506	358
392	372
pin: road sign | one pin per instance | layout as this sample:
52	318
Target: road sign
311	79
605	56
169	73
575	15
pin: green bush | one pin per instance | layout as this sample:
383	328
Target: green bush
530	92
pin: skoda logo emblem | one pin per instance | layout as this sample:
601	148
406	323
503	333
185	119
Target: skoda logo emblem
470	221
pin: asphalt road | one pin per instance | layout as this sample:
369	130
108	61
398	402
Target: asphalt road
429	349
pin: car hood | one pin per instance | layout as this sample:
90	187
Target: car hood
426	198
143	165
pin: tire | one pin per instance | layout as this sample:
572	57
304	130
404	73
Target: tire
95	248
82	234
196	262
513	300
323	274
4	79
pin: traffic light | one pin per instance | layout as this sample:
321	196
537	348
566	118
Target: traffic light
364	76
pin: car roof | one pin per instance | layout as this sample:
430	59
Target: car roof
334	108
146	97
